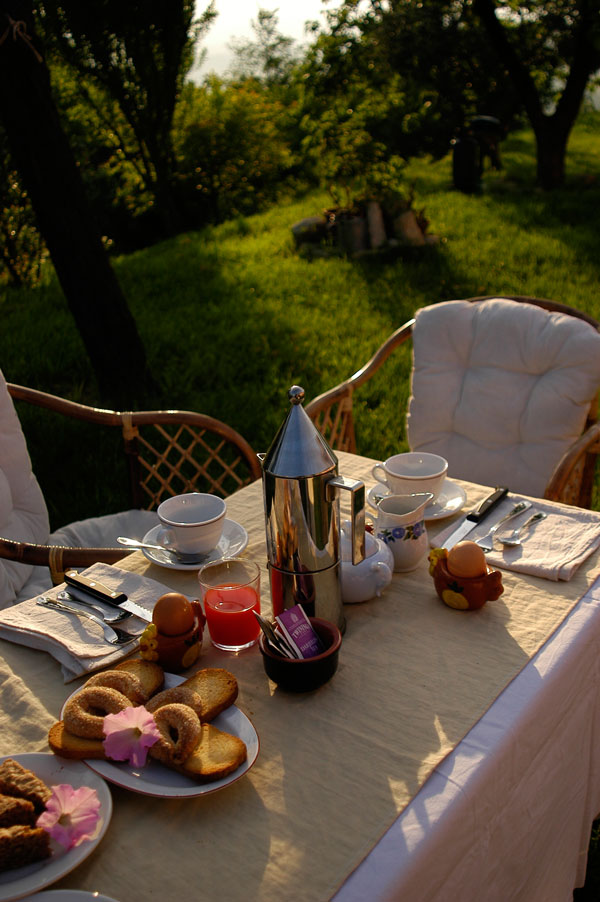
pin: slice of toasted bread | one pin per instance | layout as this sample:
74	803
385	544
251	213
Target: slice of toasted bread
216	755
217	688
150	674
67	745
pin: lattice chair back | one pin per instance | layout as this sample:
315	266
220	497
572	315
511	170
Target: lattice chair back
185	453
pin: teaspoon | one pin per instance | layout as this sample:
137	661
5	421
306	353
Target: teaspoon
514	538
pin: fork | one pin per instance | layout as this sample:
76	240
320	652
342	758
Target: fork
514	538
487	542
112	634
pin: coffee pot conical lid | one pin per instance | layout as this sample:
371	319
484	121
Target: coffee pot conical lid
298	450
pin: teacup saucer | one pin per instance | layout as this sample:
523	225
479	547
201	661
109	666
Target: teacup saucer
234	539
451	499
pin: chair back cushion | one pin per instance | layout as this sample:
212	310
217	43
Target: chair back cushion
23	513
501	389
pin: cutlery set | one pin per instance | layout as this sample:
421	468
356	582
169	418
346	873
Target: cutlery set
482	511
88	598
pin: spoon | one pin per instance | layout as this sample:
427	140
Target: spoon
177	555
514	538
112	634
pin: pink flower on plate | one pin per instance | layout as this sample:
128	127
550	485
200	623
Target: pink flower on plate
71	815
129	734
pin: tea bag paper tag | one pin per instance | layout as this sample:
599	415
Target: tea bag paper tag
299	633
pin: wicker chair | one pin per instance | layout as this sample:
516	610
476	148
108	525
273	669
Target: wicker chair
168	452
573	477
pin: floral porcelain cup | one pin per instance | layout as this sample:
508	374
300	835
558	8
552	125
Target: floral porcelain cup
400	524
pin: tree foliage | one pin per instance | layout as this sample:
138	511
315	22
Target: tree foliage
269	57
468	57
231	155
138	53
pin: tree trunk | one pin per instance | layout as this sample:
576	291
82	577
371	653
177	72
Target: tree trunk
551	132
551	146
43	157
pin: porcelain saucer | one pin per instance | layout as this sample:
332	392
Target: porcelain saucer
234	539
451	499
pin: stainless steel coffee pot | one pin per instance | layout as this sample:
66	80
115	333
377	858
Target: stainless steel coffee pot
301	488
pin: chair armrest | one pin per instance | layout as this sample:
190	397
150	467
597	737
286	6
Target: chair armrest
573	477
58	557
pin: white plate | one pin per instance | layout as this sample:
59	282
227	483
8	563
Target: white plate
451	499
68	895
232	542
53	770
154	779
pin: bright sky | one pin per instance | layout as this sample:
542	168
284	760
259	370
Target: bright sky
234	18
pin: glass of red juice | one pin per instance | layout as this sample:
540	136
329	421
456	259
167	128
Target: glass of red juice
231	593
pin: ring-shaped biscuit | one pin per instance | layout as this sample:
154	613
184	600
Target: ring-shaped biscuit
178	695
126	683
85	711
180	732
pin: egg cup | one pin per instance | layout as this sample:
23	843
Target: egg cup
461	592
174	653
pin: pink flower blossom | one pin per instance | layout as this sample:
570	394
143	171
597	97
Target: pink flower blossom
71	815
129	735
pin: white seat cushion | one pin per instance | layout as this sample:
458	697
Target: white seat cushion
23	513
24	516
500	389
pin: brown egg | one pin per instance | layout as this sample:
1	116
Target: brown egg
466	560
173	614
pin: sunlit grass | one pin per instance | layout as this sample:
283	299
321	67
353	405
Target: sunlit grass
232	315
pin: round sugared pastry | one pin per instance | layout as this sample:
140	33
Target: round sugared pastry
464	581
174	638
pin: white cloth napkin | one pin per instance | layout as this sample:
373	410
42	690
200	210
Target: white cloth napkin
77	643
552	548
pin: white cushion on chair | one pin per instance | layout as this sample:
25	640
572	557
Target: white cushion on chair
501	389
23	513
24	516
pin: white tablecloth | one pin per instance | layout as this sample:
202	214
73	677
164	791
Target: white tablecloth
507	815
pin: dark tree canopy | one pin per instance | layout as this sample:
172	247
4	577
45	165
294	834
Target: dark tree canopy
43	157
139	52
466	57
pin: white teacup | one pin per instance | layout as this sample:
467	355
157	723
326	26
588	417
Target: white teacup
191	523
412	472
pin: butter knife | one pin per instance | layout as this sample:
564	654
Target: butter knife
475	516
89	586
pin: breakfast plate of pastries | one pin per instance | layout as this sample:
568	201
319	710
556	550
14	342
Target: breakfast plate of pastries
47	863
204	747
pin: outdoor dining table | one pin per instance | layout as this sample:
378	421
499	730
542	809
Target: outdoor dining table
452	756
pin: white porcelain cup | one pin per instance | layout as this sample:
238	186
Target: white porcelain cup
191	523
411	472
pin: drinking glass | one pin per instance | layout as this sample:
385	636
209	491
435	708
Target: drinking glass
231	592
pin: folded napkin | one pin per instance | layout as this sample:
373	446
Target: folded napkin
552	548
77	643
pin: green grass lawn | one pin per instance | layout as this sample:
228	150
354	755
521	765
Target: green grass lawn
232	316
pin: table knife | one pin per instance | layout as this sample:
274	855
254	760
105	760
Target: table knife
90	586
475	517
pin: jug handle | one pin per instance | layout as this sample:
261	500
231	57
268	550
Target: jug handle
357	511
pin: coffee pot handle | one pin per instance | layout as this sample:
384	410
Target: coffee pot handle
357	511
